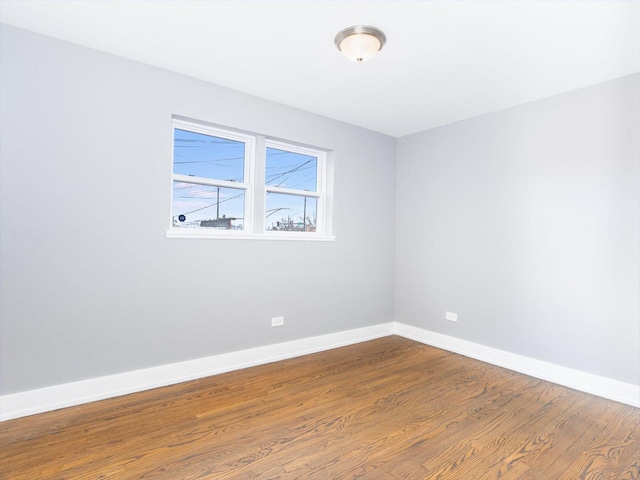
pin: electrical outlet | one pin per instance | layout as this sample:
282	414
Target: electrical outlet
453	317
277	321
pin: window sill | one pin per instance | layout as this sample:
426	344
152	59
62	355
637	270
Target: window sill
236	235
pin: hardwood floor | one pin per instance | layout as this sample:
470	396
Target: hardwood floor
385	409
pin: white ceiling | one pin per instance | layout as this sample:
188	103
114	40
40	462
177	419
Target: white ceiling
444	60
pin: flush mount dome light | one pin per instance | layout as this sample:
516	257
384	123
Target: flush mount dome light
361	42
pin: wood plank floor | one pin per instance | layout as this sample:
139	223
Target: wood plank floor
386	409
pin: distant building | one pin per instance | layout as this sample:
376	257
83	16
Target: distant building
223	223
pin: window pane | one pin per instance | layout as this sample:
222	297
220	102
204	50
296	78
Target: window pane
203	206
291	213
206	156
291	170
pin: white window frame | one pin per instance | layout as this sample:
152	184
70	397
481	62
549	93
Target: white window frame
319	194
255	188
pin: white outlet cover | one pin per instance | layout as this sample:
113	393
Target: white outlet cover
451	316
277	321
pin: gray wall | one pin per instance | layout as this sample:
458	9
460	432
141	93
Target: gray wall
90	286
526	223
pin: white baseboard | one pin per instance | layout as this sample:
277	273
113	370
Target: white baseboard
59	396
568	377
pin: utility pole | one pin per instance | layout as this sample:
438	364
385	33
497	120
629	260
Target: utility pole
218	205
304	216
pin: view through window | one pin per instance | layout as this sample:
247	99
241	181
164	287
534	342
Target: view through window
216	187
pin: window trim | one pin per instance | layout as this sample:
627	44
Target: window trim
256	190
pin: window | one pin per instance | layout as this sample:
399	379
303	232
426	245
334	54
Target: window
230	184
291	184
210	178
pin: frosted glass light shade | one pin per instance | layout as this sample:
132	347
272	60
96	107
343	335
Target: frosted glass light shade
360	43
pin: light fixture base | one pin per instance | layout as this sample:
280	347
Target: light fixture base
360	42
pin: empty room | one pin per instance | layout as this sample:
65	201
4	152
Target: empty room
320	239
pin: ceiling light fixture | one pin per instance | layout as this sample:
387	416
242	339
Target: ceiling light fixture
361	42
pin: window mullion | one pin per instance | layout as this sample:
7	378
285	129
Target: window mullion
249	178
291	191
208	181
258	184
